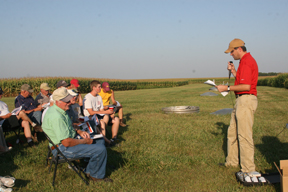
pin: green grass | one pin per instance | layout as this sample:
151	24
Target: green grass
165	152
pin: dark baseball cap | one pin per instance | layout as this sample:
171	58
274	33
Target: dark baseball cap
62	83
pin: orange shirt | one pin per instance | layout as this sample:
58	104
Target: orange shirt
105	97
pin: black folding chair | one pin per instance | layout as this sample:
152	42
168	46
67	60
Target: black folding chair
15	130
60	158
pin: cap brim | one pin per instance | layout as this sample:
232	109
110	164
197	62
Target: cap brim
30	90
67	98
229	50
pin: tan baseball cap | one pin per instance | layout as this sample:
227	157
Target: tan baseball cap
61	94
234	43
45	86
26	87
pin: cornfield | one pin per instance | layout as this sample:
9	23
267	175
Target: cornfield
11	87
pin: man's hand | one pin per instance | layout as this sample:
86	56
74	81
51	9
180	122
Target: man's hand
30	111
222	88
6	116
230	66
108	112
83	134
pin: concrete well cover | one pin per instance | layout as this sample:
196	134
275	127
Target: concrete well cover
181	109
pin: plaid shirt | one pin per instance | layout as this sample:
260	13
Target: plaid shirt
27	103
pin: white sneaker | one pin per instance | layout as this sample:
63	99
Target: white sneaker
254	174
254	179
4	189
8	181
262	179
243	177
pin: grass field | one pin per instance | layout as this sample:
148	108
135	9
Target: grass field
165	152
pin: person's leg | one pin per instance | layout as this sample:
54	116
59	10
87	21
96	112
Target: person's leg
245	118
115	127
27	132
96	153
22	115
120	114
232	141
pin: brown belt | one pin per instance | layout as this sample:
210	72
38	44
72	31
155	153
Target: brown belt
52	148
239	95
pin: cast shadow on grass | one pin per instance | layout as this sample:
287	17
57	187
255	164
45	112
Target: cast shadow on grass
121	129
223	128
273	151
8	166
114	161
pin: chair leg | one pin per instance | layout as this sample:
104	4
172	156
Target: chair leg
54	176
78	172
48	156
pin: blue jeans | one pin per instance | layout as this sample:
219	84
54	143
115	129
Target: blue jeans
96	153
35	117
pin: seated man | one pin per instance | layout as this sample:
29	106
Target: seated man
58	126
27	102
107	93
7	121
92	104
74	85
73	115
44	96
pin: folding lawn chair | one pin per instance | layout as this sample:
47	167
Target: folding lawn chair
60	158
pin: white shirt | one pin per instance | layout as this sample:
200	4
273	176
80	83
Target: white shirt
92	102
3	110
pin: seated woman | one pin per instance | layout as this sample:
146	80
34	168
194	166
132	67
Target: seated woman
7	120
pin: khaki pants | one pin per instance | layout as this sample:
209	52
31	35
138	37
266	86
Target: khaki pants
240	134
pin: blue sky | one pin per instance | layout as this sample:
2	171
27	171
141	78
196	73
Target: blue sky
138	39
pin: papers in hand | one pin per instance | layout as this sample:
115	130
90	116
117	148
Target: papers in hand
16	110
86	127
97	136
209	82
46	105
212	83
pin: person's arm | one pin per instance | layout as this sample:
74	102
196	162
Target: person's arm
113	98
102	111
238	88
80	100
232	68
39	108
69	142
5	116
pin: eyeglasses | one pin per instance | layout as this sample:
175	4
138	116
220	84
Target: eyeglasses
234	49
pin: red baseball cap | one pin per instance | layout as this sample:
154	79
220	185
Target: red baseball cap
105	86
75	82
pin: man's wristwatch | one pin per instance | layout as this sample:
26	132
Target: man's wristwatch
228	88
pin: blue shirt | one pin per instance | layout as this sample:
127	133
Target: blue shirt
27	103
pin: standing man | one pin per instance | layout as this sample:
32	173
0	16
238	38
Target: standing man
107	94
239	137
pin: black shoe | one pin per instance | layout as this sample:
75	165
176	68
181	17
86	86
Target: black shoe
31	144
221	164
